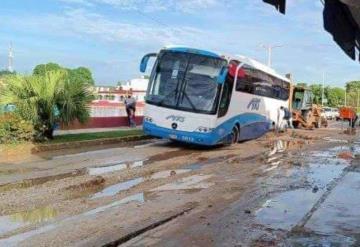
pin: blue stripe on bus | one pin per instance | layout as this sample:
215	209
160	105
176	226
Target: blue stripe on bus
195	51
251	126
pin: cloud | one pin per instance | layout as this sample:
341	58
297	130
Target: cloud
78	2
185	6
85	24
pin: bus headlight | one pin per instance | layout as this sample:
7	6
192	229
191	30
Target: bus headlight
148	119
204	129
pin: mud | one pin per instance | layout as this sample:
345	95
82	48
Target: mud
298	188
41	180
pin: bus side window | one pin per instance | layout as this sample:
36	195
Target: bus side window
226	96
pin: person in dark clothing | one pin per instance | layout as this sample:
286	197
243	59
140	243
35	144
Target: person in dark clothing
352	121
130	104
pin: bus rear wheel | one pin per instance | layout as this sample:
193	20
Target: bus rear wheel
234	135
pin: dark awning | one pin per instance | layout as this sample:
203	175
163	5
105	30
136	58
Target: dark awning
280	5
341	19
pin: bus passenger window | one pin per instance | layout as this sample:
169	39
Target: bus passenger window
226	96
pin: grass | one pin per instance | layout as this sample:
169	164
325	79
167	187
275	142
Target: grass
94	136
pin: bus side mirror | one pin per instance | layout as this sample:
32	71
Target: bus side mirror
145	60
222	76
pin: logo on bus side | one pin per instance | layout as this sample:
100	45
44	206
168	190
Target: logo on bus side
176	118
254	104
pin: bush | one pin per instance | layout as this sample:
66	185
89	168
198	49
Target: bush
13	129
47	100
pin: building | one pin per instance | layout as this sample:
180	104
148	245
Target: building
108	109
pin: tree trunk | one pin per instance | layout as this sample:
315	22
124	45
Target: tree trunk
49	133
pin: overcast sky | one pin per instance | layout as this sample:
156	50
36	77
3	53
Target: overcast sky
111	36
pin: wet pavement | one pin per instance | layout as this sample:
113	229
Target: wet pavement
287	191
326	211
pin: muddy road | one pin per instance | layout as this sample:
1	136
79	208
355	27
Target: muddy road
299	188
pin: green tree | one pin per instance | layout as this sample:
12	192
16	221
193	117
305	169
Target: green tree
352	86
79	74
353	93
121	83
301	84
317	92
41	69
48	99
335	96
6	72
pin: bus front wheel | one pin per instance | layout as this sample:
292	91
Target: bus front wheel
234	135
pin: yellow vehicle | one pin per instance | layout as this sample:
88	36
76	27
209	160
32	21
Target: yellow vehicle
305	113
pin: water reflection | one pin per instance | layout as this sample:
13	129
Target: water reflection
119	187
11	222
94	171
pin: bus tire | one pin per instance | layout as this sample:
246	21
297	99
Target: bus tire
235	135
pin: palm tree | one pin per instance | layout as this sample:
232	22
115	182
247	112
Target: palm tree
48	99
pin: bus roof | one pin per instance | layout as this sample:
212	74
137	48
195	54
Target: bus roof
257	65
249	61
192	50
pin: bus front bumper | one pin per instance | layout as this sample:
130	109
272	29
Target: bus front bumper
207	139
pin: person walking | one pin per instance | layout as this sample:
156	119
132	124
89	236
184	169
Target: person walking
130	104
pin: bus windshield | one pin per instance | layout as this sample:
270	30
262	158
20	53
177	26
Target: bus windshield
186	81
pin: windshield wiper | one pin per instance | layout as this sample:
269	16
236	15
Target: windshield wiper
191	103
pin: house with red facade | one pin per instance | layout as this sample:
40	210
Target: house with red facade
108	109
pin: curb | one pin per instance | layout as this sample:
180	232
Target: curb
104	141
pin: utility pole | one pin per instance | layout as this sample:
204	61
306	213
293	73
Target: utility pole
357	102
323	89
269	49
10	67
345	96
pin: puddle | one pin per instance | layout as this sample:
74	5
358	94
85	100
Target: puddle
115	167
16	239
279	146
276	155
195	166
137	197
151	143
187	183
273	167
116	188
317	240
166	174
285	210
198	165
170	155
12	222
340	213
322	174
88	153
80	172
329	139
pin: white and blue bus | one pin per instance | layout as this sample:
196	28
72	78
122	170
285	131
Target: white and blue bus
201	97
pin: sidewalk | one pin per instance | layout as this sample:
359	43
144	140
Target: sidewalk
92	130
